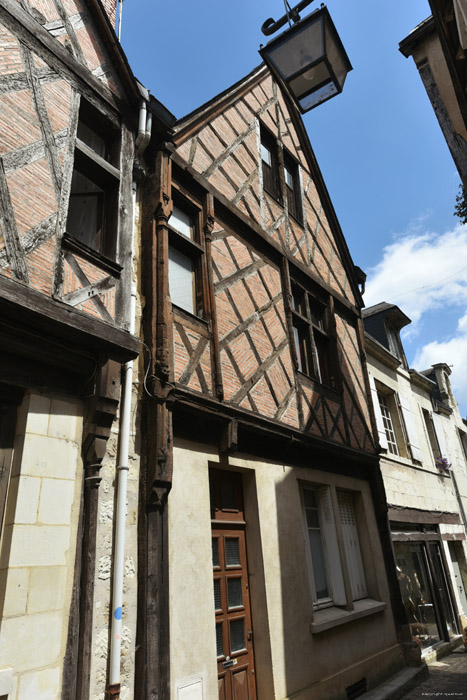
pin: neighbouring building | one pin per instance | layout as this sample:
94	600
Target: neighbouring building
265	565
438	47
421	432
69	114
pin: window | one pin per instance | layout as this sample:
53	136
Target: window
292	187
270	164
185	257
93	206
388	425
394	341
463	440
328	560
397	430
430	429
312	346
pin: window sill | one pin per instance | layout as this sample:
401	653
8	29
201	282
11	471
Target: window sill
333	394
333	617
92	256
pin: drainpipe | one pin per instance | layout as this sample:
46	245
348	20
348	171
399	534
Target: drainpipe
144	127
113	688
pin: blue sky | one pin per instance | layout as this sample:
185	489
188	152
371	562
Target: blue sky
384	159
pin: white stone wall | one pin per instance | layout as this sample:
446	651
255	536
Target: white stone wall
279	584
412	484
38	544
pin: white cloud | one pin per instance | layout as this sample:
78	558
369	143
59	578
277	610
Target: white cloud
452	352
421	271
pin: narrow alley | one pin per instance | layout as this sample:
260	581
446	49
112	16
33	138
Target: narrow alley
448	679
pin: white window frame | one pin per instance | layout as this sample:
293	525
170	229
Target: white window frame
341	547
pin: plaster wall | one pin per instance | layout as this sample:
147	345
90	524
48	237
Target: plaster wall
290	659
408	483
432	52
38	544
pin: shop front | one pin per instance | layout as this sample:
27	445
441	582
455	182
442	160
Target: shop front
424	582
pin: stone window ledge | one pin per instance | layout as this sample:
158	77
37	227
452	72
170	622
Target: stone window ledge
332	617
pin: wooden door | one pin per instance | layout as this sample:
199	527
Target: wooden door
234	634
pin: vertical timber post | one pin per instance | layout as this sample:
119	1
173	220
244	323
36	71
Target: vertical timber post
152	663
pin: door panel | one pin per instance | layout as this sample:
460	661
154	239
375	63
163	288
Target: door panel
234	636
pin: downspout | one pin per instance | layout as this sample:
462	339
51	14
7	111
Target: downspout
114	686
113	689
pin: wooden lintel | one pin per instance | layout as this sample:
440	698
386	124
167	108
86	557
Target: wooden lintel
410	515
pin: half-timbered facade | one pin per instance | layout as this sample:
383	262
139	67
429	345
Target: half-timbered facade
69	109
263	520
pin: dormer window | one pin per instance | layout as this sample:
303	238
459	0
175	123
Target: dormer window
394	342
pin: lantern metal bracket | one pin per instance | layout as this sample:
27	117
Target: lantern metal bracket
270	26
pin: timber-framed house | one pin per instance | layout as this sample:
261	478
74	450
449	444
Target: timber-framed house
69	136
263	517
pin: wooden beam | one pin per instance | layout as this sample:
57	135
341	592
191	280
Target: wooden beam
422	517
21	306
9	231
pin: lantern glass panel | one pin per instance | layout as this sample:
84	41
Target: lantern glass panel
335	57
297	49
317	97
310	80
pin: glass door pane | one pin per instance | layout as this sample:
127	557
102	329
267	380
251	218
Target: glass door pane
440	581
417	596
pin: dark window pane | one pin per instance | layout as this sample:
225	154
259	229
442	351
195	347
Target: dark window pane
217	594
237	636
310	499
215	551
228	495
319	567
232	552
234	588
219	644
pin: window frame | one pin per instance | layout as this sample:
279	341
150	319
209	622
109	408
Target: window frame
399	413
293	194
431	433
314	351
192	248
337	553
271	179
103	171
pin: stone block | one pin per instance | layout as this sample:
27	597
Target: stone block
31	640
40	685
15	582
56	500
64	419
47	589
34	545
49	457
6	681
23	500
38	414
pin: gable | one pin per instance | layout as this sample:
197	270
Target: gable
225	149
80	27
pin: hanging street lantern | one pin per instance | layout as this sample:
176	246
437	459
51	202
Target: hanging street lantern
308	59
